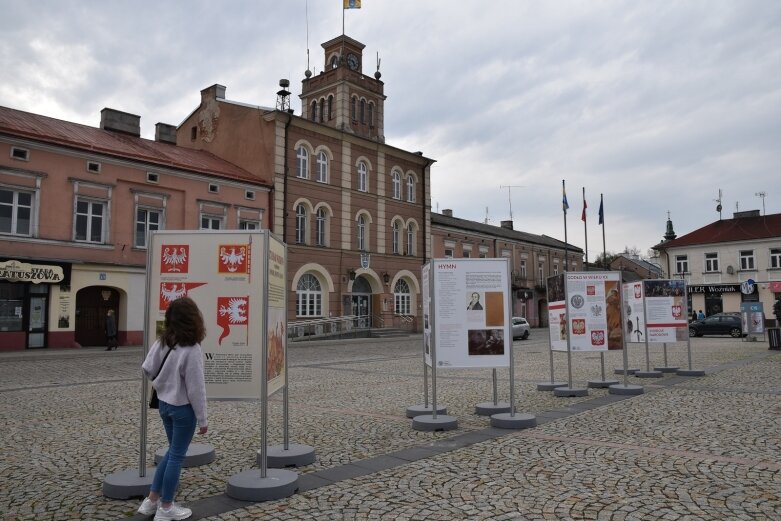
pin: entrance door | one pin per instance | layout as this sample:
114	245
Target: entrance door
91	306
36	331
361	301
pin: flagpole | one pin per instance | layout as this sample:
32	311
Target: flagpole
564	206
585	224
602	222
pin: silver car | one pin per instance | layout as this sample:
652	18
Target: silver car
520	328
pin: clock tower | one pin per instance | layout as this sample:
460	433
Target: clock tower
341	96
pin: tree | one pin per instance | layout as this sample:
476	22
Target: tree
605	259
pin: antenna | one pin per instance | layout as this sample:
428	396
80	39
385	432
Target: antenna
486	215
509	197
762	195
718	206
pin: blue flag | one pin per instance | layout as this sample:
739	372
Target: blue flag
564	203
601	211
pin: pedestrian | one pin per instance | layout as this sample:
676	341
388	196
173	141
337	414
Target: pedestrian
700	315
111	330
181	389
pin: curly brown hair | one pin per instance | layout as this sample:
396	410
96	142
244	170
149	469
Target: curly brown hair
183	324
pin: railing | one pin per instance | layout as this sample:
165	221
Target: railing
320	328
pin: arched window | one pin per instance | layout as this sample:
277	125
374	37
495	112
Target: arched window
322	167
410	189
371	114
396	236
361	233
410	239
309	297
353	103
363	111
401	298
300	224
313	116
321	222
302	162
396	178
330	107
363	177
322	110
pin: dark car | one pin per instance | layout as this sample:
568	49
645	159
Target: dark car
718	324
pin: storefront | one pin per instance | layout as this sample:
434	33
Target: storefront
718	298
25	300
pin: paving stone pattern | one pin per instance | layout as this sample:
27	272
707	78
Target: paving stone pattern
689	448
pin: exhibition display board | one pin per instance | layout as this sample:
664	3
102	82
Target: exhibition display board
655	310
752	316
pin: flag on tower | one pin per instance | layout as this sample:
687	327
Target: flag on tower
583	215
352	4
601	211
564	203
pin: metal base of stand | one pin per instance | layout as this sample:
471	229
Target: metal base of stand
490	408
667	369
197	454
649	374
249	486
128	484
296	455
549	386
601	384
429	423
505	420
626	389
570	391
690	372
417	410
620	370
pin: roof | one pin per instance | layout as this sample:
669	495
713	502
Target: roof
729	230
643	264
498	231
96	140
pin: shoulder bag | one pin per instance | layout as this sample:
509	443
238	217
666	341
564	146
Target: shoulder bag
154	403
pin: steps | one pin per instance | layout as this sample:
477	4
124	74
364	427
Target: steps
388	332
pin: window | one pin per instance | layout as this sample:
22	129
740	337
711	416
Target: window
681	264
245	224
16	210
21	154
775	257
321	221
322	111
213	188
711	262
209	222
353	102
410	239
747	260
309	297
396	236
401	298
93	166
302	162
371	114
146	220
249	194
555	268
396	179
300	224
330	106
448	253
152	177
362	177
11	301
363	111
90	215
523	268
410	189
361	233
313	115
322	167
541	272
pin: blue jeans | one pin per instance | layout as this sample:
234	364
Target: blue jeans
179	422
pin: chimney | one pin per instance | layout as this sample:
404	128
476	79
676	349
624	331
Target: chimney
447	212
123	122
508	225
165	133
747	213
211	93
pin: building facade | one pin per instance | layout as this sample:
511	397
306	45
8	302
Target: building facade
728	262
76	203
533	258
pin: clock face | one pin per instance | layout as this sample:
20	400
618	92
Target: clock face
352	61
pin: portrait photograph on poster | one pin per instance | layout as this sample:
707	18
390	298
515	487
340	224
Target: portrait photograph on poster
486	342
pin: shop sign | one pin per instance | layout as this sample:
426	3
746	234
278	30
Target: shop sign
16	271
713	288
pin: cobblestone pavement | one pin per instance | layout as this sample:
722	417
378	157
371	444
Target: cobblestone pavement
689	448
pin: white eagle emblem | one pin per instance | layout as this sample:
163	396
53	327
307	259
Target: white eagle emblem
232	260
235	311
172	293
173	258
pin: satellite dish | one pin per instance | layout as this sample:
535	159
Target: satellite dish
718	208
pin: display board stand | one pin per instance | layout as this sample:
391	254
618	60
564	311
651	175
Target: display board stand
425	408
569	390
690	371
603	383
648	373
495	406
549	386
666	368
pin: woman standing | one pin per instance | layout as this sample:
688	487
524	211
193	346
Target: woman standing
181	390
111	330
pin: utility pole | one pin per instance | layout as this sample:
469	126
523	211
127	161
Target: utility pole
509	197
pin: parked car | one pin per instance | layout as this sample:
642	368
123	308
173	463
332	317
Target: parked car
520	328
718	324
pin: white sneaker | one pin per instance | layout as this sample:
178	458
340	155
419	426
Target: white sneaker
174	513
148	507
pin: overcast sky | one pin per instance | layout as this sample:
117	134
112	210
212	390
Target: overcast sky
657	104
